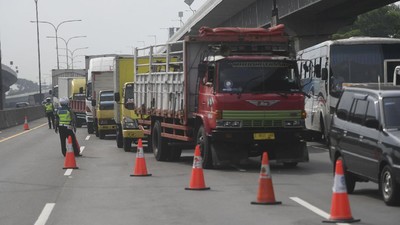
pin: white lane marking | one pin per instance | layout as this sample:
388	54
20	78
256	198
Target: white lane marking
311	207
68	172
23	132
44	216
82	148
314	209
87	137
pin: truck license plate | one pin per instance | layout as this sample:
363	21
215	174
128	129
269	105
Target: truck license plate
264	136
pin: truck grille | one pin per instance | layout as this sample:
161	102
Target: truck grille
262	118
262	123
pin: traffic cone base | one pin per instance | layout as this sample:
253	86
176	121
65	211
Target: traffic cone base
266	203
265	195
70	162
140	169
197	179
340	208
198	189
342	221
140	175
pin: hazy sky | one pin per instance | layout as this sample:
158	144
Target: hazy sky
111	26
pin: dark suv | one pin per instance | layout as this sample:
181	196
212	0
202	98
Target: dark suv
365	134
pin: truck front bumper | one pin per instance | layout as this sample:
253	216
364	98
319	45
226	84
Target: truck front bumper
133	133
110	128
257	135
282	145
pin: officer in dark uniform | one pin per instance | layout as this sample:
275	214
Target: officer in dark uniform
49	108
65	125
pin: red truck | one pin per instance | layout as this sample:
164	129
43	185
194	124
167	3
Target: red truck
234	91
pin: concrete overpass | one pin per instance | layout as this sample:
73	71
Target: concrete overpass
308	21
9	77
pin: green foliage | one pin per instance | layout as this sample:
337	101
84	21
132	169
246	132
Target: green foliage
382	22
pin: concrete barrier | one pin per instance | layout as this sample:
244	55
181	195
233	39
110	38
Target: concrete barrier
15	117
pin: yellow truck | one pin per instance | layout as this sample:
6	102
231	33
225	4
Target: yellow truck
127	130
105	123
77	100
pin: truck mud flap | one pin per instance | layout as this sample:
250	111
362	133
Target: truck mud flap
224	154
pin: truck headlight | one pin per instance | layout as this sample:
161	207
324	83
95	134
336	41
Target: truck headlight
293	123
229	123
129	123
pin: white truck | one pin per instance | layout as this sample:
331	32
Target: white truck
60	74
100	72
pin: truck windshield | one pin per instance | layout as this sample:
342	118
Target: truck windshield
391	110
108	96
258	76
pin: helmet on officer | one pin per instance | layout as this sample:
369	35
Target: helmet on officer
47	99
64	101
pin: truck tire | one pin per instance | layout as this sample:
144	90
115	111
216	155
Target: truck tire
174	154
160	149
90	128
78	121
101	134
127	144
205	148
119	137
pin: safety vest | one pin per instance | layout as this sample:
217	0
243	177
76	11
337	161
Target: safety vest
49	107
64	116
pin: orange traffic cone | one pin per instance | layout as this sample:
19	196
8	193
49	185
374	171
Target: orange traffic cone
197	180
77	144
265	194
70	162
26	126
140	163
340	208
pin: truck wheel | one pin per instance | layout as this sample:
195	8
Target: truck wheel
119	137
388	186
174	154
290	164
205	148
90	128
101	134
160	150
78	122
127	144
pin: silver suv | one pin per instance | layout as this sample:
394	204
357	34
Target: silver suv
365	134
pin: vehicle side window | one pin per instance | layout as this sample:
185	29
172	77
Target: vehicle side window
344	105
371	111
358	114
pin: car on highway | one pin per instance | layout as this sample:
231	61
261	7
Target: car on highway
365	134
21	104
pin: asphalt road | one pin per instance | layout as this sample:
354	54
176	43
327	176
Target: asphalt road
34	189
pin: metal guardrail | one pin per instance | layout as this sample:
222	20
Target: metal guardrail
15	117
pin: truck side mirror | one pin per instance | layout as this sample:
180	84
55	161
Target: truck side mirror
93	102
317	70
324	73
129	104
116	97
305	67
201	72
